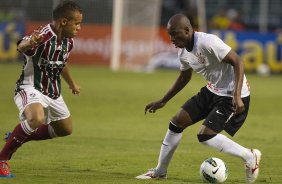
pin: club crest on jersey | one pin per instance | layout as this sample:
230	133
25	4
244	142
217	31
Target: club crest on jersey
32	94
201	58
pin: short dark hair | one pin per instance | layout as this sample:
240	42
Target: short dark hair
65	9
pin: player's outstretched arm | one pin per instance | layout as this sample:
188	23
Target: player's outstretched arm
183	78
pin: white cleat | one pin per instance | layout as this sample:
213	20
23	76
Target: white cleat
252	169
151	174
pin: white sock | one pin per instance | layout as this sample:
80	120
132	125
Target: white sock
226	145
168	147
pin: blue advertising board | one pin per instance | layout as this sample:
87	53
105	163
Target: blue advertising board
10	33
255	48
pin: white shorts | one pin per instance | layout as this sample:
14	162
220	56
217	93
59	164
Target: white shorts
55	109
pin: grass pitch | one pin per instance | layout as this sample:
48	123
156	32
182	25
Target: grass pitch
113	141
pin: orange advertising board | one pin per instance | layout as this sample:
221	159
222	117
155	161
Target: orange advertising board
93	44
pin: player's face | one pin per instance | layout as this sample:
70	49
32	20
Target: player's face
73	25
178	36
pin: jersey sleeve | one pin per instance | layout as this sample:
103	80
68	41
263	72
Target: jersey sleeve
31	51
216	47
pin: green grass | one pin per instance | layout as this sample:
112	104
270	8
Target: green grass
113	141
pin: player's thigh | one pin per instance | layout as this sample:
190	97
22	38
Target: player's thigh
58	116
218	116
57	110
34	114
236	122
182	119
62	127
192	111
31	106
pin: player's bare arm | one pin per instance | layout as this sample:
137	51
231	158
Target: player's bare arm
234	59
183	78
34	40
67	77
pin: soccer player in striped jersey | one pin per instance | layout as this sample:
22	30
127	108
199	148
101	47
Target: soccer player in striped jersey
42	110
223	103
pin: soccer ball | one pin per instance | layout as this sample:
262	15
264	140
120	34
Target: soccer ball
263	70
213	170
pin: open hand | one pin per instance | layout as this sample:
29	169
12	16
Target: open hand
75	89
152	107
36	38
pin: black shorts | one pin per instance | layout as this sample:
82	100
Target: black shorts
216	110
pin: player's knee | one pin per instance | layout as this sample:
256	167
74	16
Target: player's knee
205	137
178	123
182	119
65	132
62	127
174	128
206	134
36	121
69	131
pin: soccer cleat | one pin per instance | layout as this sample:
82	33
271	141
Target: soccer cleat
4	170
151	174
252	169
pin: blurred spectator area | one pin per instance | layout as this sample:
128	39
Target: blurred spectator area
95	11
11	10
241	14
245	12
248	11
